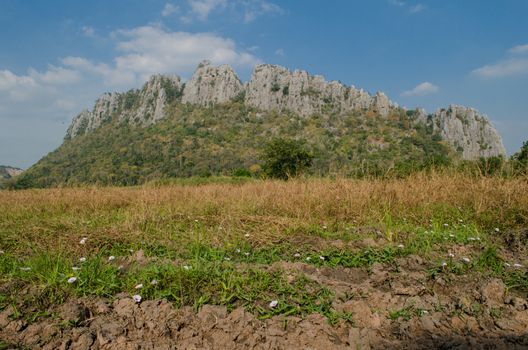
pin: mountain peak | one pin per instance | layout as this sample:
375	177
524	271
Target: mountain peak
273	87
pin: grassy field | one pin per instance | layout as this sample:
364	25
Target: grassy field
232	244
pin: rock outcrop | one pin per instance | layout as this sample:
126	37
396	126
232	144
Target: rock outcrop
145	106
7	172
274	87
467	130
212	85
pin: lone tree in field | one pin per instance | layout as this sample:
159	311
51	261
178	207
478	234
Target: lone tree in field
284	158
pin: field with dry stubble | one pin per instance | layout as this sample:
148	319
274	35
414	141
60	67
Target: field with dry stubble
429	260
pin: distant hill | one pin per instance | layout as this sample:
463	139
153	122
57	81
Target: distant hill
7	172
215	124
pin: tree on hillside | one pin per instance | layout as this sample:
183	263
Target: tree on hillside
520	159
522	155
284	158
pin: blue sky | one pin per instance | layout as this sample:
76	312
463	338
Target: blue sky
58	56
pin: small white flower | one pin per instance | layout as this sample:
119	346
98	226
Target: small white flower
478	238
296	255
137	298
460	220
238	250
25	268
507	265
82	259
451	255
452	235
195	220
120	267
246	254
75	268
111	258
321	258
83	240
446	225
154	282
131	250
308	258
472	239
497	229
443	264
227	258
517	265
273	304
186	267
72	280
466	260
220	228
401	246
138	286
246	235
325	227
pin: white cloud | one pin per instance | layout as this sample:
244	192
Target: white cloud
515	65
247	10
66	104
9	80
519	49
398	3
417	8
509	67
88	31
423	89
202	8
148	50
412	9
55	75
257	8
279	52
169	9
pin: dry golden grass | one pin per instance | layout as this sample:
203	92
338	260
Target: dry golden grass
268	210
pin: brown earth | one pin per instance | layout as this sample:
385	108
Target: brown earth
449	312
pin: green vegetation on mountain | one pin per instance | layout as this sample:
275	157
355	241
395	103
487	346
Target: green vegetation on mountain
232	138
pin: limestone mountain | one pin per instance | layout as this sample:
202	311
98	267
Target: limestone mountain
7	172
214	124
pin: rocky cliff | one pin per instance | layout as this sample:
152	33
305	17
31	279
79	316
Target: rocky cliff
212	85
467	130
7	172
273	87
144	106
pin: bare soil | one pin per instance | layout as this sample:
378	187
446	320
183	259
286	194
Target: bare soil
450	312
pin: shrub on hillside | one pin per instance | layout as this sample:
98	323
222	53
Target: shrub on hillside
284	158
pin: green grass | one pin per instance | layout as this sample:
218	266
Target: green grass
245	243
